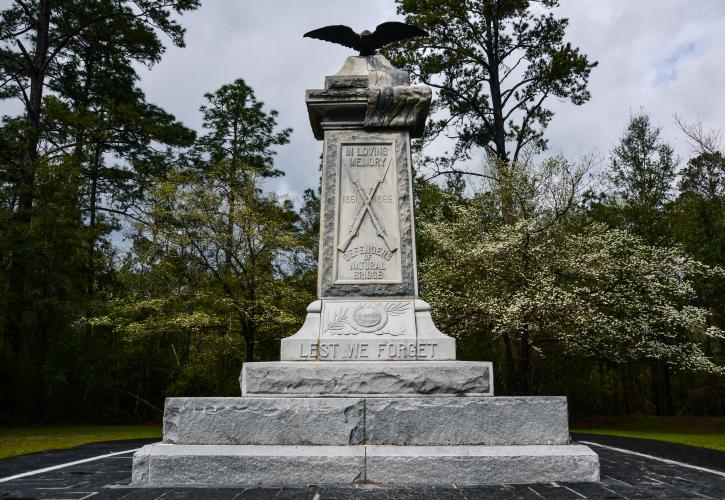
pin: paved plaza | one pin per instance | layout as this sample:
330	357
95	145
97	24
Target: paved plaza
625	474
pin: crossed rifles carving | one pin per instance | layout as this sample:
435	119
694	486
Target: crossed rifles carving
368	207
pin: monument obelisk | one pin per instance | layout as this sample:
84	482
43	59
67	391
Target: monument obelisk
368	307
368	390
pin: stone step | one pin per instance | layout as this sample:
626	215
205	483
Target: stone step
375	421
261	421
466	421
368	378
167	465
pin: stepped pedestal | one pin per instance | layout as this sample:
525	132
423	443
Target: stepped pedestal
332	423
368	391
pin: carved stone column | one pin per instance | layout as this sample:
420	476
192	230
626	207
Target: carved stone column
368	307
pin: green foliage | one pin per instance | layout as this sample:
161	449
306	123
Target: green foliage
494	64
704	175
551	282
16	441
639	182
697	222
643	167
705	432
218	267
240	134
82	153
637	196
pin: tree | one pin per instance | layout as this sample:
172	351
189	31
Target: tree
643	166
552	281
49	26
494	63
239	144
637	184
49	44
99	121
71	65
241	252
697	215
705	173
506	243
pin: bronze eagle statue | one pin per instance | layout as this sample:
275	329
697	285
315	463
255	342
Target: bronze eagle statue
366	43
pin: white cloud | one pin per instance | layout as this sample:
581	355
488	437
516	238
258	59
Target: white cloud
665	56
262	43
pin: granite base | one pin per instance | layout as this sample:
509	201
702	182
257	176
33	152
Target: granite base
221	465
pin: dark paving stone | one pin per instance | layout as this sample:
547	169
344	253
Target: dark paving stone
43	459
623	476
702	457
498	492
372	492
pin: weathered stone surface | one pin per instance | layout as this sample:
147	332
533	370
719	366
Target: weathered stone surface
466	421
368	330
372	320
381	378
165	464
367	235
367	244
260	421
307	335
377	421
398	107
353	95
471	465
427	333
404	284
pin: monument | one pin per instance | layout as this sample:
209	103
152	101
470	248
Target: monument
368	390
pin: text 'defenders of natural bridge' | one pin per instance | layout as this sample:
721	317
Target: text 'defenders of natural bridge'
368	228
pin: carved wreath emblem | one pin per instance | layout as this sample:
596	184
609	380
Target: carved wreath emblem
365	318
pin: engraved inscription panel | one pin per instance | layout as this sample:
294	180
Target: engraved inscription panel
369	350
371	319
367	233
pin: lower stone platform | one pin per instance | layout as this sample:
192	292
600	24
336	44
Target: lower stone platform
167	465
369	378
426	421
388	423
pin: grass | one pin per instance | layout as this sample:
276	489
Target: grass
21	440
705	432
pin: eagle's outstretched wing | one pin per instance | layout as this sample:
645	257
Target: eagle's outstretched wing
392	32
344	35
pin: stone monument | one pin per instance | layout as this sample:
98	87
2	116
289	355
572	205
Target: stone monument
368	390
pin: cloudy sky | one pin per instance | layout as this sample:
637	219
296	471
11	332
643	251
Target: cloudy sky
663	56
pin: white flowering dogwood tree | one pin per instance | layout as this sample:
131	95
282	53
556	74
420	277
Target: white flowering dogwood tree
542	274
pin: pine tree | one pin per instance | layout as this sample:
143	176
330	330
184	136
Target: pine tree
495	64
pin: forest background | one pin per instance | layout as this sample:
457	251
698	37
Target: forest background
141	259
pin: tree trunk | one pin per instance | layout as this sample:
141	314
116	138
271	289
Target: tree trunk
494	86
250	333
656	387
667	389
232	201
524	378
93	194
510	364
26	344
34	107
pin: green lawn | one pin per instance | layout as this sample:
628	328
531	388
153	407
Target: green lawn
21	440
705	432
